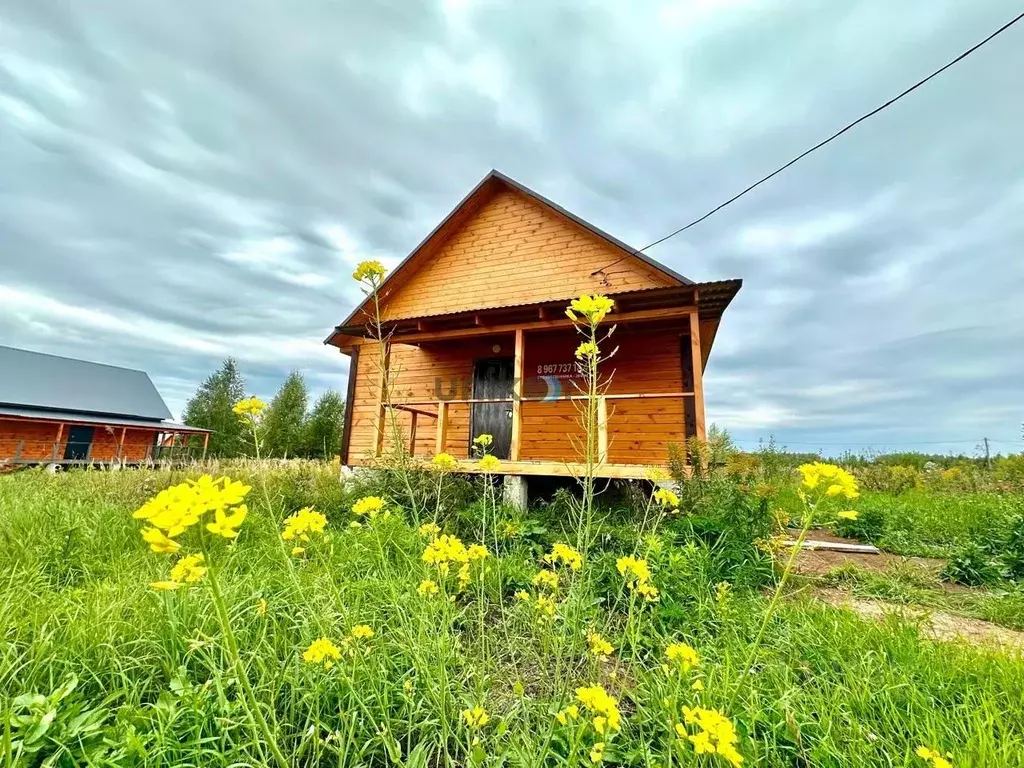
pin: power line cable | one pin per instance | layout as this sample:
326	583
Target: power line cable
821	144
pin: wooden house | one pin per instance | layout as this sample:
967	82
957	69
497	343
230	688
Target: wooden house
57	410
477	341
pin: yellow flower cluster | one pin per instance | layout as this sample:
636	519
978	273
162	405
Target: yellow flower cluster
446	550
361	632
847	515
301	524
429	530
188	570
322	651
666	498
597	752
369	271
476	717
592	309
638	577
683	655
835	480
566	555
598	645
563	716
546	579
483	440
546	608
369	506
174	510
586	350
444	462
716	735
427	588
933	757
603	706
489	464
249	408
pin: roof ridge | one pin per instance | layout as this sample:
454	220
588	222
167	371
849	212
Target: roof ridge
73	359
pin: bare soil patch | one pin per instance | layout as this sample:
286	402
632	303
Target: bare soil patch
819	562
936	625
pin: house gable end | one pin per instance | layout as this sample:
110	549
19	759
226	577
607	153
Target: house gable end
512	250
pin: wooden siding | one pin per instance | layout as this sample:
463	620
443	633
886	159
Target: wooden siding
515	251
34	441
646	362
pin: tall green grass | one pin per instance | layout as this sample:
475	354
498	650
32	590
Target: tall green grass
154	685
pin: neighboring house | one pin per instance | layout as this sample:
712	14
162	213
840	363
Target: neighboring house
477	313
66	411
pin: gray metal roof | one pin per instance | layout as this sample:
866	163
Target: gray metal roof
38	381
77	417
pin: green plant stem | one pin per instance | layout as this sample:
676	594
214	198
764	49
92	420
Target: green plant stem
769	612
249	696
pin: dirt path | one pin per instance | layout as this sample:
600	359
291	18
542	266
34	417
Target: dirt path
936	625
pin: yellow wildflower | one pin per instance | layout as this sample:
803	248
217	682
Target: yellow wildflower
445	549
546	580
587	349
476	552
698	686
444	462
261	607
598	645
837	481
483	440
847	515
408	686
522	595
489	464
666	498
476	717
249	408
427	588
597	753
464	576
361	632
633	568
934	757
303	523
369	271
158	542
563	553
165	586
370	506
592	308
685	656
225	524
648	592
546	608
322	651
296	551
572	712
188	569
716	735
429	530
175	509
596	699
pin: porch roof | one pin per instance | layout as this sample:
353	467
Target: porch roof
100	420
710	299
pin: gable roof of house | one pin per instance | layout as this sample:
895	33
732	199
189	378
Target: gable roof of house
492	182
41	382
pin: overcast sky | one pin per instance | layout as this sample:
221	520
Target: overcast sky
182	181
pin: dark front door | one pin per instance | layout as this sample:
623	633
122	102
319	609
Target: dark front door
79	442
492	379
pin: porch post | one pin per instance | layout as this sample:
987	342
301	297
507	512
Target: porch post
120	444
206	442
518	370
442	426
56	445
384	397
698	376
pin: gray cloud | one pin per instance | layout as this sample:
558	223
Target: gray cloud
185	181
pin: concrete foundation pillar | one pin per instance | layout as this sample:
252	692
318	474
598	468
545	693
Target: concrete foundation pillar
514	491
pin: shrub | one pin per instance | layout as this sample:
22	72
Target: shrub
972	566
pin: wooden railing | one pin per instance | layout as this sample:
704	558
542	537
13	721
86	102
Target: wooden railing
417	408
50	452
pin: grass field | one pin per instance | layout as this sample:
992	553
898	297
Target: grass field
97	668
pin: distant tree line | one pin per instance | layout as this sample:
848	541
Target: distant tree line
290	428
